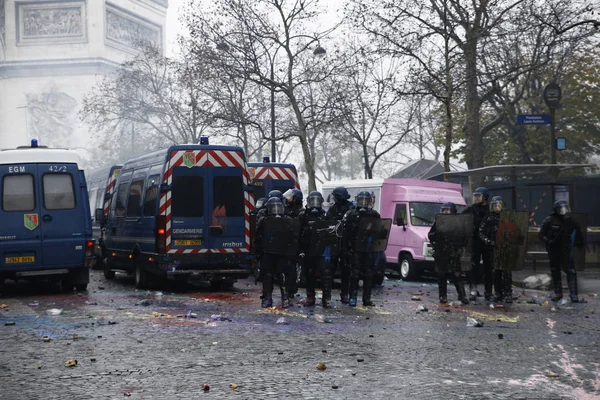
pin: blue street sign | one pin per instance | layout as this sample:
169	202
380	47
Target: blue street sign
541	119
561	143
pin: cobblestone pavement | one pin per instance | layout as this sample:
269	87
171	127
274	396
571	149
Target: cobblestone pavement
139	344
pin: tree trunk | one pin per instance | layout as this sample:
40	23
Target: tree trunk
308	161
472	105
368	169
449	126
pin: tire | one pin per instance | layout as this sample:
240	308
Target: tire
142	280
81	287
378	279
406	267
222	285
108	274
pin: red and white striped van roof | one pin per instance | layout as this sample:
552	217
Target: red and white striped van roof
281	172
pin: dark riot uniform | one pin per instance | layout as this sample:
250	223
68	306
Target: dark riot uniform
502	279
336	212
273	266
479	251
361	263
447	265
314	266
560	233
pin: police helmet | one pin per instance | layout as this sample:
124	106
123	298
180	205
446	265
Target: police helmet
363	199
340	194
561	207
274	206
497	204
314	200
448	208
298	196
276	193
260	203
480	195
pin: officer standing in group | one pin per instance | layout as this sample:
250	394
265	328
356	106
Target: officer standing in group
336	212
361	262
447	265
487	234
273	266
314	265
560	233
480	209
292	201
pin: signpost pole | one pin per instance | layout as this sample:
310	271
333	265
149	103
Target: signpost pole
553	135
552	96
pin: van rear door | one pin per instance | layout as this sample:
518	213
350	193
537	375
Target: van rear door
63	215
188	209
227	209
20	231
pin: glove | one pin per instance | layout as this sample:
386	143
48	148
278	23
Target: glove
301	255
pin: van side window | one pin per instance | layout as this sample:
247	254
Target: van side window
59	193
187	196
100	198
18	193
134	203
151	196
228	196
400	215
121	200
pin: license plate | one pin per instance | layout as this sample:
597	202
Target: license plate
195	242
19	260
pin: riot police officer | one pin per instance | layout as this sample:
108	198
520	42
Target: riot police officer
480	209
560	233
487	234
314	265
272	265
336	212
447	265
361	262
261	204
292	200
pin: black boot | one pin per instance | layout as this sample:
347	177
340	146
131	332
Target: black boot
572	282
557	284
310	300
443	288
285	299
267	297
460	289
367	287
507	282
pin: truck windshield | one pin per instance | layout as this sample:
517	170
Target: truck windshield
423	214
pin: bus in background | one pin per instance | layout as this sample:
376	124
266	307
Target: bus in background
45	229
101	186
181	212
267	176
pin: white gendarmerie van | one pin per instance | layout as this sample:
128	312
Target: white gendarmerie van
45	224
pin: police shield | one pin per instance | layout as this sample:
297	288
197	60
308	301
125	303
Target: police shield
280	236
325	239
511	240
453	238
372	235
576	233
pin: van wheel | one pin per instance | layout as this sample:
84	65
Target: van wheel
142	279
407	268
108	273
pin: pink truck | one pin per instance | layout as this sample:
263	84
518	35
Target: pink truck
412	204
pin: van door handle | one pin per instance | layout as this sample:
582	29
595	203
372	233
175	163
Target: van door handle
47	218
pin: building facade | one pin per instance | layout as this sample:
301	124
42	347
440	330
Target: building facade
52	52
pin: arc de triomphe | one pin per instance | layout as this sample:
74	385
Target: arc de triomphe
52	52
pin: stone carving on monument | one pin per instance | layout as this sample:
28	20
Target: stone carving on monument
2	30
127	31
51	117
51	22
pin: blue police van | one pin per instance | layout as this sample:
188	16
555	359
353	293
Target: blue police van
181	213
267	176
45	224
101	186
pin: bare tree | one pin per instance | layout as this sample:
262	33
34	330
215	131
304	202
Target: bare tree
158	97
265	41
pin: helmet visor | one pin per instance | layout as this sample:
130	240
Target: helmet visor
260	203
314	202
363	202
276	209
497	206
446	210
288	195
477	198
563	210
